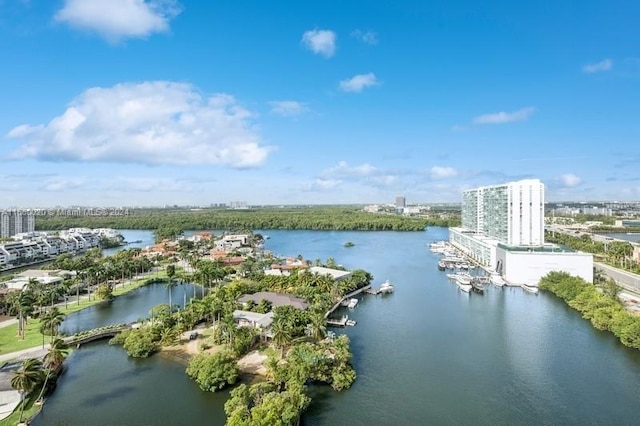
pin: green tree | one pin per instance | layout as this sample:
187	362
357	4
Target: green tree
105	291
213	372
140	343
171	273
26	378
52	320
53	360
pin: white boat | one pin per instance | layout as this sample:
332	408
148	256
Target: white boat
464	287
464	279
438	247
350	323
386	287
352	303
497	280
530	289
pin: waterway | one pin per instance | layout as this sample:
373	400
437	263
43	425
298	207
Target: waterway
129	307
632	237
427	354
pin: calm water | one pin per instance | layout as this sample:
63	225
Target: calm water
635	238
129	307
142	239
427	354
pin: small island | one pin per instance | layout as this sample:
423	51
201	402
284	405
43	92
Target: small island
262	327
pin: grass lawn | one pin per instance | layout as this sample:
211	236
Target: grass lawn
31	409
10	342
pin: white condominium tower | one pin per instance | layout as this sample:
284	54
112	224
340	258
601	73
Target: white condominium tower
512	213
15	222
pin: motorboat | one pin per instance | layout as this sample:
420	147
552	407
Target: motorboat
350	323
386	287
464	287
442	265
352	303
477	285
464	279
438	247
530	289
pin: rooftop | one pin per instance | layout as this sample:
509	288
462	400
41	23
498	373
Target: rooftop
547	248
336	274
276	299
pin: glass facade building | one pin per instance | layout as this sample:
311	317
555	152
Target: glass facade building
512	213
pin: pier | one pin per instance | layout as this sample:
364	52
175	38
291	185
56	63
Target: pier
348	296
334	322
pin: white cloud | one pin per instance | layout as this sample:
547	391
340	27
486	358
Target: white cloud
149	123
368	37
504	117
322	42
62	184
438	172
364	174
287	108
456	128
569	180
322	184
344	170
604	65
358	82
119	19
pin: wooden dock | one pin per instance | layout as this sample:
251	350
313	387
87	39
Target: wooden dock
348	296
334	322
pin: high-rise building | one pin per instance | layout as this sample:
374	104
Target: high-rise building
503	230
512	213
15	222
401	202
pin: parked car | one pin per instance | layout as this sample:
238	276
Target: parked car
193	335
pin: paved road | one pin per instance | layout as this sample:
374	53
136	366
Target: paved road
625	279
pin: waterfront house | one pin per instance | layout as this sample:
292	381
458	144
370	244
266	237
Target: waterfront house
276	299
336	274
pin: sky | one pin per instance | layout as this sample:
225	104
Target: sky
155	102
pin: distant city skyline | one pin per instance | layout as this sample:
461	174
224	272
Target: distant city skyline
152	103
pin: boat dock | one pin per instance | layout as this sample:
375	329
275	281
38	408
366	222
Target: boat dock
348	296
335	322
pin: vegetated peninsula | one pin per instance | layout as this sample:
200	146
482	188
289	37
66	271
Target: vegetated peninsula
347	218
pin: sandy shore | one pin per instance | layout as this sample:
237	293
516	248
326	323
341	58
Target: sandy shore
251	363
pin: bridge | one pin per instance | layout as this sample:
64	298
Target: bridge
98	333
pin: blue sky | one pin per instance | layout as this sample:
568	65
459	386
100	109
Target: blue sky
153	102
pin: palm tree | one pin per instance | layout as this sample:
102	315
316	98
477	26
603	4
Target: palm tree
171	273
26	378
318	326
52	320
22	305
53	360
281	335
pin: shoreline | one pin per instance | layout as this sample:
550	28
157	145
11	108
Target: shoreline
21	349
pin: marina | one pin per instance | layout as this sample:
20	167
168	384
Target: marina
461	265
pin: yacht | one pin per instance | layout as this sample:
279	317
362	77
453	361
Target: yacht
530	289
386	287
438	247
442	265
352	303
477	285
464	279
464	282
464	287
